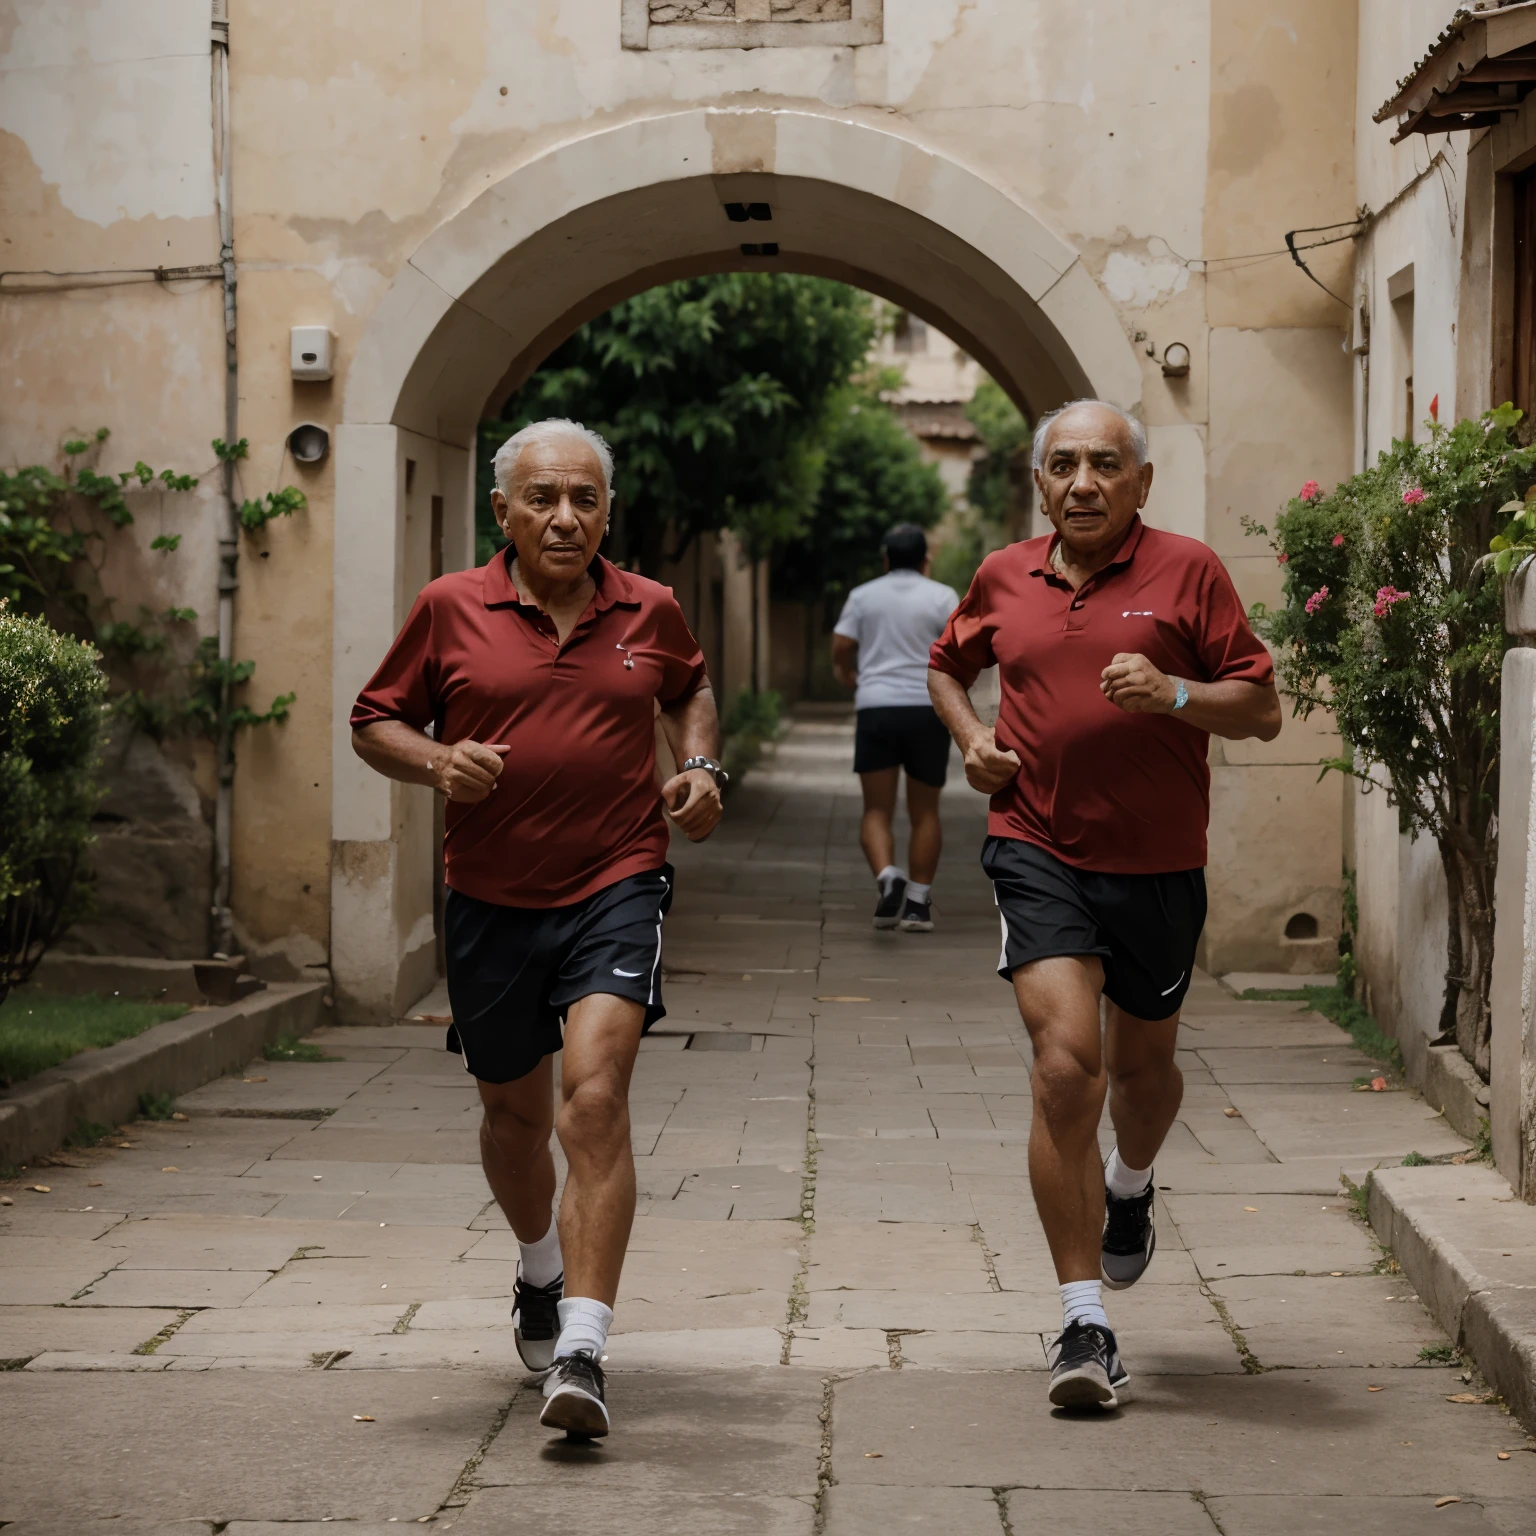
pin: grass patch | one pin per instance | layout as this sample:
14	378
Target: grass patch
1439	1354
1415	1160
1336	1004
1482	1143
291	1048
38	1031
156	1106
1359	1197
87	1134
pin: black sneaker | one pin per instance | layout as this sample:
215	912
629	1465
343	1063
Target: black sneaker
535	1323
1130	1239
888	908
573	1393
1085	1368
917	917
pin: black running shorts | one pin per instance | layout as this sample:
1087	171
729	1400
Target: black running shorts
909	736
514	971
1143	927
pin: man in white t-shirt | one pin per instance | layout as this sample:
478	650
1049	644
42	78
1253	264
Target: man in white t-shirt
880	647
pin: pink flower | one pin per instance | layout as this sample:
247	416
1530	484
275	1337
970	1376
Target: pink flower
1282	557
1412	497
1317	599
1386	597
1338	541
1311	491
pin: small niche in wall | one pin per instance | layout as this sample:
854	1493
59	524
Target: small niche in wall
1301	926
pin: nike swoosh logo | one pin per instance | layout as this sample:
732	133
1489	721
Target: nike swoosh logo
1170	989
633	974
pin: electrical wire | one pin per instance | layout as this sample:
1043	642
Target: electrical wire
126	274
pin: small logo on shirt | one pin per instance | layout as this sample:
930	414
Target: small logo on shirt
633	974
629	661
1138	613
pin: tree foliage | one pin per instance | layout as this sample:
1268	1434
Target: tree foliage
873	476
51	691
714	393
992	491
1392	620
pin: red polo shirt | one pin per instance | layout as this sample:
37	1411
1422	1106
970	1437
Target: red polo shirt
1100	788
576	807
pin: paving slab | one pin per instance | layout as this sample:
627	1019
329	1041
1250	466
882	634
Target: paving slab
1147	1514
26	1331
1411	1516
278	1447
863	1511
540	1511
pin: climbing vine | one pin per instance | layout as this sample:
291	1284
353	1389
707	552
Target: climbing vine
56	529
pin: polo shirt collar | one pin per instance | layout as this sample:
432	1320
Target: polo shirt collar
1123	555
613	585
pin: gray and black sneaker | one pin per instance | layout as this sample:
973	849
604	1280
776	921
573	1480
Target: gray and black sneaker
917	917
1130	1239
535	1322
888	908
573	1397
1085	1368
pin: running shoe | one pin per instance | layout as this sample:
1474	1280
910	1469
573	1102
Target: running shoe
573	1393
1085	1368
888	908
917	917
535	1323
1130	1239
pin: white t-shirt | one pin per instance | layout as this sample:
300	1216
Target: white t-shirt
895	619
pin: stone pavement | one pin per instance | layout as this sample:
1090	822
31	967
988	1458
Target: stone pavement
291	1309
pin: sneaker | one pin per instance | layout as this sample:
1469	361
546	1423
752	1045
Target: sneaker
888	908
1130	1239
1085	1368
917	917
573	1393
535	1323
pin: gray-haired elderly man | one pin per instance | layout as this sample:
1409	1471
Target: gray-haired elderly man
541	674
1120	650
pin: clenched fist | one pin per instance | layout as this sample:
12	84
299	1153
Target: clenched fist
987	767
467	771
1130	682
692	800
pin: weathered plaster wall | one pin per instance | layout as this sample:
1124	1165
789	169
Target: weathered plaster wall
1148	139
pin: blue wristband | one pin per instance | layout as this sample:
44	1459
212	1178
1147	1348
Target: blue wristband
1180	693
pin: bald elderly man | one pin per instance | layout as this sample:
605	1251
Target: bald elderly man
540	674
1120	651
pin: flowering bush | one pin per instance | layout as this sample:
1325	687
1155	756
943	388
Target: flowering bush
1391	620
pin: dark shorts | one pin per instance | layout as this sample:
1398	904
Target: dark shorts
514	971
1143	927
909	736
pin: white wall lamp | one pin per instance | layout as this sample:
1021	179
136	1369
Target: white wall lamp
1176	361
311	352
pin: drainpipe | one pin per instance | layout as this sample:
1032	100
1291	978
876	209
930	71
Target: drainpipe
222	924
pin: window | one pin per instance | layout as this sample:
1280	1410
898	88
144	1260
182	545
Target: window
1524	383
750	23
910	333
1404	421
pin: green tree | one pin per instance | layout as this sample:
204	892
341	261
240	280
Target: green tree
873	476
1393	621
993	490
713	392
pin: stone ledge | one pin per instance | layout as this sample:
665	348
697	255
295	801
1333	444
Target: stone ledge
1453	1250
1450	1083
103	1087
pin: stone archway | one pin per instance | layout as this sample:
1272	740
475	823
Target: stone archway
494	288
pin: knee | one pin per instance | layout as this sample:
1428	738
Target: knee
595	1111
1066	1087
516	1128
1148	1078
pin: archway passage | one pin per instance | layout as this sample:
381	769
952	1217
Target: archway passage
494	289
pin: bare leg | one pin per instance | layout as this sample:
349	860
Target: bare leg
1145	1084
515	1151
927	840
1059	1003
879	807
602	1037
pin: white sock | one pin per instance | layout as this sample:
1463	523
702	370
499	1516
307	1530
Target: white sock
889	876
542	1263
918	892
583	1325
1123	1182
1081	1302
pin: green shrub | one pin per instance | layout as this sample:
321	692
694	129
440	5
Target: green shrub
51	693
755	714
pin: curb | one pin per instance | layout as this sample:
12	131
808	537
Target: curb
104	1086
1475	1269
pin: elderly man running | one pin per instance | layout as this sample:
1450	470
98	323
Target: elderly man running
1120	651
540	675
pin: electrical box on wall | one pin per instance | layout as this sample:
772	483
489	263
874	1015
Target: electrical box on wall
311	352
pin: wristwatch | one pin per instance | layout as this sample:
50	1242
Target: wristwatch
1180	693
722	778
